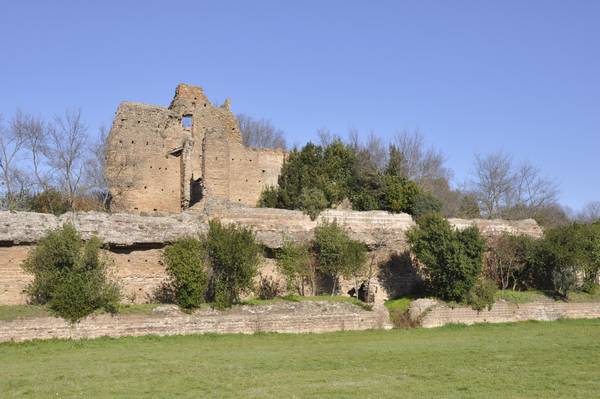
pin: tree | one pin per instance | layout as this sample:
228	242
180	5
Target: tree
70	275
186	265
95	169
453	258
493	182
590	212
295	262
260	133
13	180
234	256
504	190
337	254
416	162
508	258
67	152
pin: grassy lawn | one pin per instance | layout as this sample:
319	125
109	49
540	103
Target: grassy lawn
532	360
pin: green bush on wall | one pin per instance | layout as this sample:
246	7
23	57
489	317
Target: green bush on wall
186	263
453	258
69	275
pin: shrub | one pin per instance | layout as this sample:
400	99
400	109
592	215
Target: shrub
337	254
70	275
508	258
50	201
267	288
234	256
453	258
565	252
425	203
312	202
185	261
268	198
295	263
482	294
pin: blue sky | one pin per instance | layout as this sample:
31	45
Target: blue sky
472	76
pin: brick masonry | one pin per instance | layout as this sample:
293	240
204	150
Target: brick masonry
292	317
434	314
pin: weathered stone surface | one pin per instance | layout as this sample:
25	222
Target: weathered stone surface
492	227
285	317
112	228
437	314
167	159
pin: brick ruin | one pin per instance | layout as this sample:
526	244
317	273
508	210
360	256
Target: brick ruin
169	159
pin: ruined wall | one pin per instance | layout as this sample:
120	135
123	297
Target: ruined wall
143	177
290	317
164	160
135	243
436	314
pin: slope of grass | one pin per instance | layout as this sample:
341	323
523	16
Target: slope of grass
522	360
13	312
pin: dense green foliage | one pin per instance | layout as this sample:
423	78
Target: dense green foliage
566	252
70	275
482	295
234	256
533	360
295	263
453	258
565	259
315	178
338	255
508	261
186	265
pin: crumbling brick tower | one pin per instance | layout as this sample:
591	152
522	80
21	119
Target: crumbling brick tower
168	159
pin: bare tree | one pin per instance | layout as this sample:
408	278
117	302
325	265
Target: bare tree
493	182
34	132
418	162
95	168
504	190
374	148
11	144
67	151
260	133
326	138
590	212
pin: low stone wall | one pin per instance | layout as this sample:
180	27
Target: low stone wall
430	313
292	317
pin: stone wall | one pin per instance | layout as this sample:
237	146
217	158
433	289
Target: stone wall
433	314
135	243
166	159
288	317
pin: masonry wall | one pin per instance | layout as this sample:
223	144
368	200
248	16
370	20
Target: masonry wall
300	317
143	177
147	171
504	312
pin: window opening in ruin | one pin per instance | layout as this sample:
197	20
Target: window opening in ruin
186	121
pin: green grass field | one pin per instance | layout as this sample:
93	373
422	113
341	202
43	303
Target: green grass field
522	360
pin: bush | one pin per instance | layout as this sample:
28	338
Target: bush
268	198
453	259
482	294
337	254
295	263
508	259
267	288
425	203
565	252
312	202
185	261
50	201
70	275
234	256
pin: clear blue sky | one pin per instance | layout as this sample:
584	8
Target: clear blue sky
473	76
